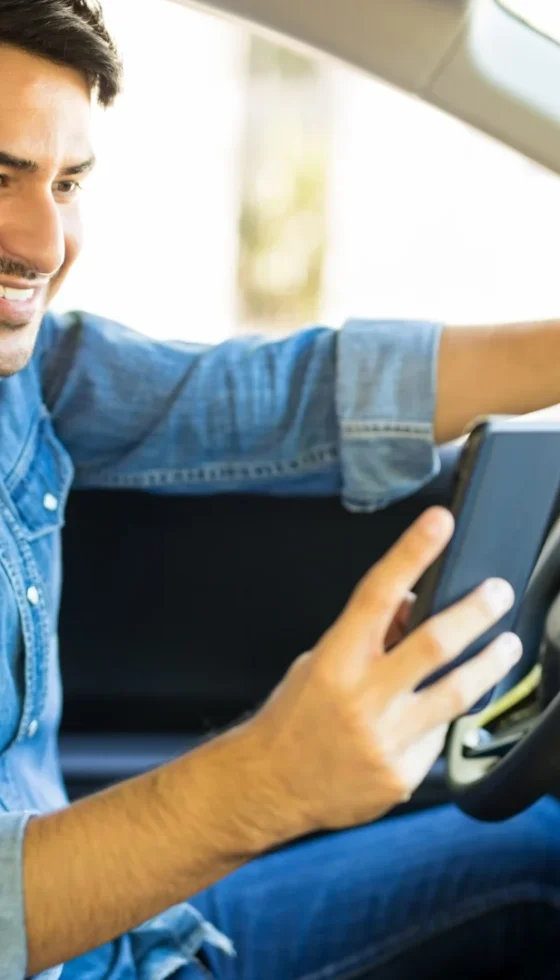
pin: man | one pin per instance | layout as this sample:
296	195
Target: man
100	886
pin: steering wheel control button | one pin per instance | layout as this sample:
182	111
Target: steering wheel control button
50	502
32	728
33	595
472	739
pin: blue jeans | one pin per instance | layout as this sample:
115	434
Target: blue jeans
426	896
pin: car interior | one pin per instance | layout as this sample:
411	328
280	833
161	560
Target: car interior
160	670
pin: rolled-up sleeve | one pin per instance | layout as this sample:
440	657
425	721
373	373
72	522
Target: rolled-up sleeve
321	412
13	943
386	394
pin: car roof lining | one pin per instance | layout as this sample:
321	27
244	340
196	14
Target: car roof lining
426	47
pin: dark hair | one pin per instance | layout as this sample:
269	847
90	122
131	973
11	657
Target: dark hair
68	32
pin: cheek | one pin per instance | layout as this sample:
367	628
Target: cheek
73	237
73	240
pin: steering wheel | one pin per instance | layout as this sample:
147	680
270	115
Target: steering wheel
507	756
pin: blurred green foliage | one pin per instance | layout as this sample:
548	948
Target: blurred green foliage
266	57
282	246
282	222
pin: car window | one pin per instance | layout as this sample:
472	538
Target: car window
543	15
245	186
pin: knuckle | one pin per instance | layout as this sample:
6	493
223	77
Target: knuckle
401	788
384	595
324	678
411	549
407	549
458	699
433	645
376	591
491	667
301	663
481	606
406	554
403	792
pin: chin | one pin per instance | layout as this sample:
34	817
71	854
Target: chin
17	347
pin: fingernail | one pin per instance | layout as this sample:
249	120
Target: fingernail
499	594
510	648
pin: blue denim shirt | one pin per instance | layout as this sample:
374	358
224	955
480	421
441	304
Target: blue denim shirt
322	412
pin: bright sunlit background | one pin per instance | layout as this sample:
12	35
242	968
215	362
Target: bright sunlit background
544	15
242	186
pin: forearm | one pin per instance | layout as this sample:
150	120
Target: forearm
504	370
104	865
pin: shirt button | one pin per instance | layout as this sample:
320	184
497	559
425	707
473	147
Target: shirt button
33	595
32	728
50	502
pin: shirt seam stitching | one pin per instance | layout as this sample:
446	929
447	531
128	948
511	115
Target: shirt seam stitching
377	427
311	461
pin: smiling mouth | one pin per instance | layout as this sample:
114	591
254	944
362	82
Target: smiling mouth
16	295
18	305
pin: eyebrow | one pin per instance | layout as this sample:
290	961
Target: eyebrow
30	167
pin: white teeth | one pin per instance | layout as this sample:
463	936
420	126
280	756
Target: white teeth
16	295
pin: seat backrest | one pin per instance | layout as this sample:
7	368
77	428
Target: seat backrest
178	614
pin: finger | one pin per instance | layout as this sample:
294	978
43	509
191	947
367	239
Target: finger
399	626
455	694
441	639
417	758
375	601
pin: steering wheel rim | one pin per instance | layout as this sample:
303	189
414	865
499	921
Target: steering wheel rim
496	787
494	791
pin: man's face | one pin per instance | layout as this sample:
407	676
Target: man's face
45	155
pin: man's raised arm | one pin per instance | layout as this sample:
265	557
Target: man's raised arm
500	370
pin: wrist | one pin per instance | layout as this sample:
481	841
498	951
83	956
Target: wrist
226	790
262	803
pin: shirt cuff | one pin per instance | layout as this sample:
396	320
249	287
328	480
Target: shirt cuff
386	394
13	939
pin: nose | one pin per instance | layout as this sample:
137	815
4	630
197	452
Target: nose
31	233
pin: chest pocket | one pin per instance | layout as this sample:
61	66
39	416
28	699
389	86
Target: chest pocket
40	483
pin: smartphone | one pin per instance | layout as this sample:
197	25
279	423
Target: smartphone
505	497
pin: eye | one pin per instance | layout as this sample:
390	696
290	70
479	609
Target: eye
68	188
3	180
